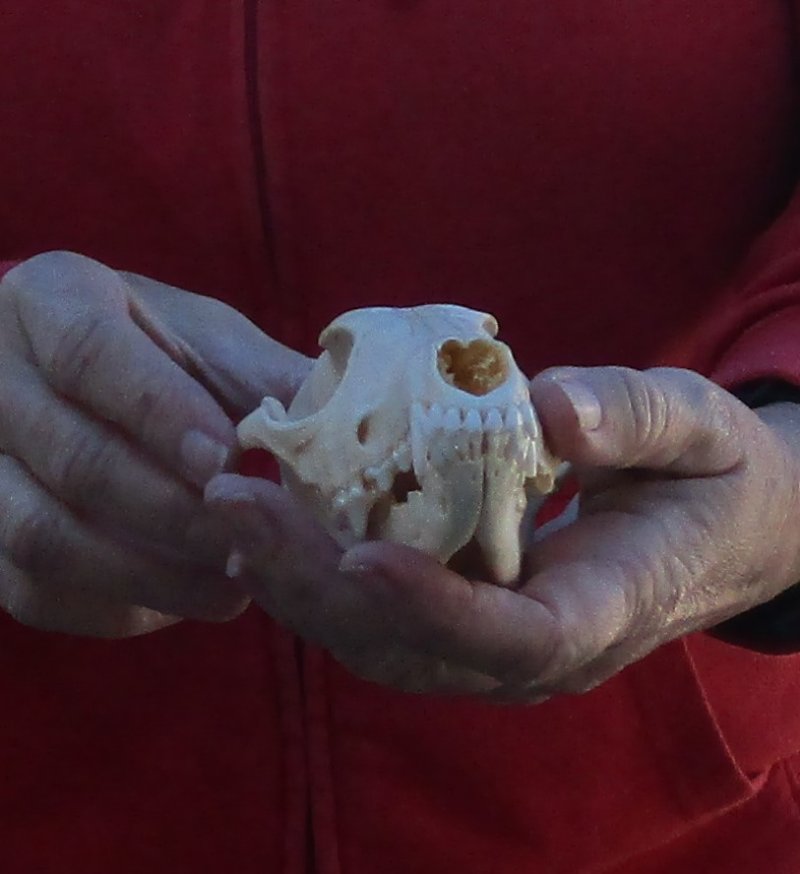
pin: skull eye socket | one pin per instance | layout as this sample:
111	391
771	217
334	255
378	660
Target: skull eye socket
476	368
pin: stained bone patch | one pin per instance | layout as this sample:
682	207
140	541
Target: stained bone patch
476	368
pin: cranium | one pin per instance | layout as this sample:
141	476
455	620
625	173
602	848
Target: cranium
415	426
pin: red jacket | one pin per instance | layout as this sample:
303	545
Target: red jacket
600	176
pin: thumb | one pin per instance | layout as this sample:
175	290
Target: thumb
664	419
236	361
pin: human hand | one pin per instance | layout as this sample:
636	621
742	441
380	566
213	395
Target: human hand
689	512
115	398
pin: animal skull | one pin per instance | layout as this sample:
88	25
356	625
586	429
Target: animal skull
415	426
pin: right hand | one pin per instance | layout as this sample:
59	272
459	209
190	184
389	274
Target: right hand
116	399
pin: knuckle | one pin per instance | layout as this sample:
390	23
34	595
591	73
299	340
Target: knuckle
79	347
83	470
53	264
151	406
649	411
33	541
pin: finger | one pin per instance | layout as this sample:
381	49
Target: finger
76	316
663	419
89	465
400	668
485	628
238	362
600	671
45	541
293	563
299	583
70	611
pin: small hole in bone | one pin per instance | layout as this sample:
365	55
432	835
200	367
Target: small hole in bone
362	432
476	368
403	485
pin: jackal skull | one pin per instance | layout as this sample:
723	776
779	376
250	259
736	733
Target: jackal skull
416	426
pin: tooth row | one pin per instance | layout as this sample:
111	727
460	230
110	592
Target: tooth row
511	434
377	478
435	417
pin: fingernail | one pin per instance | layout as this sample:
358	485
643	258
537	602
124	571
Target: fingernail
356	566
584	402
202	457
349	565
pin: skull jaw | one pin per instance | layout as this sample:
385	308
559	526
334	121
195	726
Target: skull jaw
471	435
474	483
480	500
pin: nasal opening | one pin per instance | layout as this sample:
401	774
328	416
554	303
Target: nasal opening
477	367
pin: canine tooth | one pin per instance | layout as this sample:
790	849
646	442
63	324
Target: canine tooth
356	514
515	451
513	419
529	420
530	463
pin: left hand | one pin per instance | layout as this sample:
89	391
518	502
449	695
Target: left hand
689	514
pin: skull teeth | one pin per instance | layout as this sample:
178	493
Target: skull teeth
468	435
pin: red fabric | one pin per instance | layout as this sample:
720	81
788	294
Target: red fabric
595	175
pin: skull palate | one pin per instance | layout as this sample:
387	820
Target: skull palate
476	368
414	425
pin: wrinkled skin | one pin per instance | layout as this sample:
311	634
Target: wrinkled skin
117	401
689	514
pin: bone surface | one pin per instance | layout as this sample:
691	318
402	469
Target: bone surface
416	426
